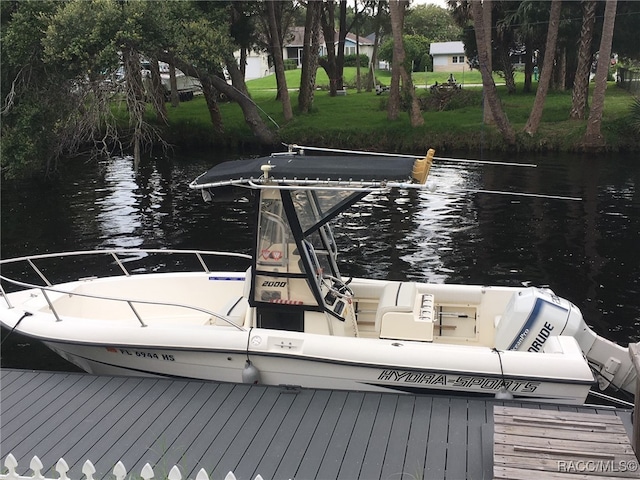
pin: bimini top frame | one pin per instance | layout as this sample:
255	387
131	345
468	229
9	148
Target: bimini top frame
293	170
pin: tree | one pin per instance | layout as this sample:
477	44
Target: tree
399	69
333	63
416	49
275	33
593	136
432	22
489	87
310	54
547	68
486	19
378	33
61	64
33	93
580	92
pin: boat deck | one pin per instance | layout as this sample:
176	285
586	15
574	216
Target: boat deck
276	432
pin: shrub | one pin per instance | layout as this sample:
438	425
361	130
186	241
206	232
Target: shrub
350	60
290	64
441	100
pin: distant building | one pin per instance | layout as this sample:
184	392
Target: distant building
257	64
448	57
294	44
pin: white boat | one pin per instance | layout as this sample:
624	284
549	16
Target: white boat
292	319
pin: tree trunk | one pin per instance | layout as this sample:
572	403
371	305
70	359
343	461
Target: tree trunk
173	83
561	73
157	92
507	68
243	62
342	35
235	92
489	87
276	51
396	10
236	76
593	136
136	105
329	33
528	66
373	61
393	107
487	13
209	93
309	57
358	83
580	94
547	69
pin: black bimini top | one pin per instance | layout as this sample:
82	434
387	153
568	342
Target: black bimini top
328	171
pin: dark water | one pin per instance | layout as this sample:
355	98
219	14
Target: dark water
588	251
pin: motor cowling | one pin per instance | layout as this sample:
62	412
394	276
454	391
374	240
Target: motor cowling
532	316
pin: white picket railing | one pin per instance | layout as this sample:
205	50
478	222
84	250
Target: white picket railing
88	470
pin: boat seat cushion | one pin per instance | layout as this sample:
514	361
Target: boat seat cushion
396	297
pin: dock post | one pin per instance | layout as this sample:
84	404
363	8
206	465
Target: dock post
634	353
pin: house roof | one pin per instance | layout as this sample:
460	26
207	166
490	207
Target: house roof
446	48
295	38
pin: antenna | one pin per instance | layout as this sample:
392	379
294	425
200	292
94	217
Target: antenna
293	146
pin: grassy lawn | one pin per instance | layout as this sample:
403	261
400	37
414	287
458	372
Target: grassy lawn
383	77
359	120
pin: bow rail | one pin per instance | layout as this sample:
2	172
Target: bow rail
117	257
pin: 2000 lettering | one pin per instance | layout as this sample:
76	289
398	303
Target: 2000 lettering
269	283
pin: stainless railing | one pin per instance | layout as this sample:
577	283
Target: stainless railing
116	255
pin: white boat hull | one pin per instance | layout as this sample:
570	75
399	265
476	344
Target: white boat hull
292	370
112	341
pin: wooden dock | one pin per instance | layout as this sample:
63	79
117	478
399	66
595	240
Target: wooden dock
276	432
560	445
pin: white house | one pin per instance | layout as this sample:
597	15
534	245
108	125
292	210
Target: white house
448	57
294	44
258	61
257	64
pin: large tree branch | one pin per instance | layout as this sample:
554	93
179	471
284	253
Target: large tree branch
249	108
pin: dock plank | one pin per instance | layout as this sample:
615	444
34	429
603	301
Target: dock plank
415	458
255	435
561	445
394	458
438	431
303	435
278	434
334	454
323	434
363	428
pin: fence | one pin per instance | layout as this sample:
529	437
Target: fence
88	470
629	80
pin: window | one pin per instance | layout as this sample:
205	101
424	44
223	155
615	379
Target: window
350	50
455	59
461	60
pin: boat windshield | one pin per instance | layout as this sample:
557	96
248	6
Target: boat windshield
315	208
295	245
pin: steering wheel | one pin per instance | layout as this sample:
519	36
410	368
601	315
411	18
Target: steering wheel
338	287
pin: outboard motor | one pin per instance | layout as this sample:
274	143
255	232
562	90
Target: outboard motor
532	316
